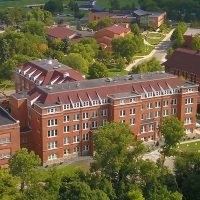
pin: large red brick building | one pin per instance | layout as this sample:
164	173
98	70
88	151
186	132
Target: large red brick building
9	137
57	121
189	35
44	72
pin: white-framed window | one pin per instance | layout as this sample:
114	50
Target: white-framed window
76	127
188	110
151	127
5	140
95	102
104	101
77	105
122	113
188	130
86	103
123	121
174	101
149	115
151	138
122	101
66	141
66	118
53	156
66	129
132	121
85	125
189	101
52	122
142	116
165	113
132	100
4	156
76	117
66	107
66	152
149	105
85	147
150	94
95	114
51	110
76	149
143	129
52	145
76	139
143	107
86	137
165	103
85	115
104	121
132	111
104	112
174	111
94	124
50	133
190	90
188	120
158	93
157	113
157	104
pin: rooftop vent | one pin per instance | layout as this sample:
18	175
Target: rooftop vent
55	67
49	87
109	80
66	74
50	62
77	84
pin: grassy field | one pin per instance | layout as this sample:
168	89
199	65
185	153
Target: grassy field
191	146
112	72
107	4
146	51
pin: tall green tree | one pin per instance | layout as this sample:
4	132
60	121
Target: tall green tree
196	43
22	164
98	70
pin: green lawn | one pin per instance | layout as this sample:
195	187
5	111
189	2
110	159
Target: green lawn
146	51
191	146
154	38
113	72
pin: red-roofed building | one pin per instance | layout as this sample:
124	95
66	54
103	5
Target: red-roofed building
57	122
105	36
44	72
61	32
185	63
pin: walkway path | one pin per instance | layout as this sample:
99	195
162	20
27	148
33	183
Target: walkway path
159	52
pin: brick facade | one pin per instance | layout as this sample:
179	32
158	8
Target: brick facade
60	123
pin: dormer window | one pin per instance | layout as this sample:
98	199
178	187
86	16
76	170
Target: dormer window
95	102
122	101
77	105
51	110
66	107
104	101
86	103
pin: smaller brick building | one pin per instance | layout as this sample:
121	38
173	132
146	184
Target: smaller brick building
189	35
44	72
9	137
185	63
105	36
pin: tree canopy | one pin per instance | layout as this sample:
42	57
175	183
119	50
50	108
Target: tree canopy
98	70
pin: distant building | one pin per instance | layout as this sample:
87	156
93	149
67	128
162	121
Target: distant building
189	35
87	5
44	72
61	32
149	19
9	137
105	36
185	63
58	122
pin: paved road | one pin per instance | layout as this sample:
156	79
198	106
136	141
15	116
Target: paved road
159	52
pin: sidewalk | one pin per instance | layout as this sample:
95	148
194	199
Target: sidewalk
157	49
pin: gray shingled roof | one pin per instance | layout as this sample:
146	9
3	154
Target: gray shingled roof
6	118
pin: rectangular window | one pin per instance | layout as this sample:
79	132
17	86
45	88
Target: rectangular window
5	140
104	121
104	112
94	124
132	111
142	117
86	103
149	105
143	129
165	103
76	149
76	139
173	111
149	115
52	122
132	100
189	101
188	110
122	101
165	113
85	147
4	156
52	145
104	101
66	118
132	121
85	125
188	120
143	107
77	105
52	133
174	101
66	129
95	114
53	156
66	107
86	137
157	104
76	127
157	113
76	117
66	152
85	115
122	113
51	110
151	127
95	102
66	141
